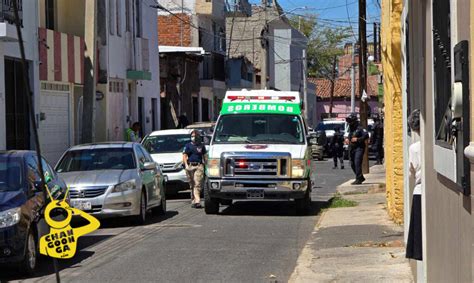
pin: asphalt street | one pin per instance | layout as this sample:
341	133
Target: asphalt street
246	242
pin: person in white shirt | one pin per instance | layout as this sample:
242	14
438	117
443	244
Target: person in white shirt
414	248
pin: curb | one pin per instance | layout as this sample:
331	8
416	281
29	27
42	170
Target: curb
370	188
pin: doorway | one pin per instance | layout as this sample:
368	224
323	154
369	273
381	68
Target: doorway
205	109
16	110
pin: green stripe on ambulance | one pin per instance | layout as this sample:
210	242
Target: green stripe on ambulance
273	108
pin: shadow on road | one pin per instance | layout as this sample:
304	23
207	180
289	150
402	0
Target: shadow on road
45	264
124	222
255	208
179	195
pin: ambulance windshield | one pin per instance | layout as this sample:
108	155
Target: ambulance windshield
259	128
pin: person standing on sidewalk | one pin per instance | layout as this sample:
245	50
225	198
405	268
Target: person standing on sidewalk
357	141
337	147
414	242
377	140
132	134
194	158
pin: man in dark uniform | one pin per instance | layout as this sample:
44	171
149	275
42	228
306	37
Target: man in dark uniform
194	158
337	147
377	139
357	140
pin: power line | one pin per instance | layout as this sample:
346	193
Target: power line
350	23
329	8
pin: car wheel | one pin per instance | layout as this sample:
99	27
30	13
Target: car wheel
161	210
29	263
140	219
303	205
211	205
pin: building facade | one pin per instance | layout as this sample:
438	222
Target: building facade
126	72
435	70
341	102
266	38
180	84
14	116
199	23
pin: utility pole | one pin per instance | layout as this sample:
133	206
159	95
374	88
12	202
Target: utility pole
264	60
305	86
182	27
353	65
363	75
379	48
333	82
90	35
375	43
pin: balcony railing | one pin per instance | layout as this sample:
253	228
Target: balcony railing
7	14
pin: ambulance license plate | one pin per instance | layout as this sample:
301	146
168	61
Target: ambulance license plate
255	194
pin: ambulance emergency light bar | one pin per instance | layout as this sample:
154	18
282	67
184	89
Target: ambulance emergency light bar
262	95
241	97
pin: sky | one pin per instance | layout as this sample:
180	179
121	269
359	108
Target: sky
334	12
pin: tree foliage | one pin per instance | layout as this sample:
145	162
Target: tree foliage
324	43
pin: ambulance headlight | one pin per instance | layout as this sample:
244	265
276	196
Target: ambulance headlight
298	168
213	168
10	217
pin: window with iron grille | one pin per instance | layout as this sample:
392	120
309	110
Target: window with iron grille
442	70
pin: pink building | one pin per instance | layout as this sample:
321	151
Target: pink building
342	96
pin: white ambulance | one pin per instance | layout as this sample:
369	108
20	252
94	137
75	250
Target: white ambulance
259	151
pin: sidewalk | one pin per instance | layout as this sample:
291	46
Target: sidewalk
356	244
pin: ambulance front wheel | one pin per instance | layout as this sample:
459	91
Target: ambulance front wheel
211	205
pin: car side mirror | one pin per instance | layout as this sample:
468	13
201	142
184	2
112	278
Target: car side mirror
148	166
37	186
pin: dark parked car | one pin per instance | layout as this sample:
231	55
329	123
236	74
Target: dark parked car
21	206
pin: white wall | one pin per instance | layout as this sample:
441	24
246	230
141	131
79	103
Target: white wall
175	6
11	49
120	59
285	57
151	89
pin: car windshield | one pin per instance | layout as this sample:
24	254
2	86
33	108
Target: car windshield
259	128
10	173
329	126
166	143
97	159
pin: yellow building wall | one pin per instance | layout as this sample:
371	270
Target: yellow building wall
393	134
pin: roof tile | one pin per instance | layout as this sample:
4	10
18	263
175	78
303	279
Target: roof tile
342	87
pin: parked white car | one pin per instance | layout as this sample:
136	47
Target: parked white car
166	148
